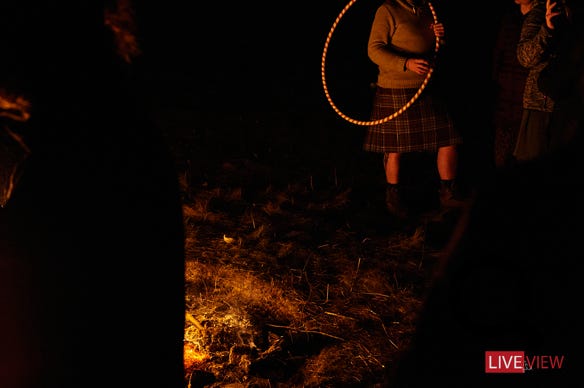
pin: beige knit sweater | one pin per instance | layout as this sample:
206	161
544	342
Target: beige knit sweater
400	31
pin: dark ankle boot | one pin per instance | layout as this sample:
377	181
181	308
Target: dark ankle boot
394	202
450	195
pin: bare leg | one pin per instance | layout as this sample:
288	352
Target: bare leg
391	165
447	162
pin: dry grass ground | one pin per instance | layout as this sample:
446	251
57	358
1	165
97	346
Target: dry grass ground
296	280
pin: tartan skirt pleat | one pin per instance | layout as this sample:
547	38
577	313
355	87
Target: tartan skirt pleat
425	126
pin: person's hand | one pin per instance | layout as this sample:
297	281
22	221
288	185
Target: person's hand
551	13
438	29
418	66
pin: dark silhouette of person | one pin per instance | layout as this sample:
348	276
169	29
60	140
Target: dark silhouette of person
91	238
506	283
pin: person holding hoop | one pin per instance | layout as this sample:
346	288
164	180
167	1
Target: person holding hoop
403	41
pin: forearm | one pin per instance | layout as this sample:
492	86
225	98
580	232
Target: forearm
535	40
379	47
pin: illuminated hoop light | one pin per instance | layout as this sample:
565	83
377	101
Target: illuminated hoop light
393	115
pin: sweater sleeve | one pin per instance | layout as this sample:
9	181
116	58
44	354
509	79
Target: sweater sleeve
380	41
535	39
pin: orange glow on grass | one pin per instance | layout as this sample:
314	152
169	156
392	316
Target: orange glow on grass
193	356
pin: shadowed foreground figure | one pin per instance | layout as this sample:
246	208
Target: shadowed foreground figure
510	279
91	239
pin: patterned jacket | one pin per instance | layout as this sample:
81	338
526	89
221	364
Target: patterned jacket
535	49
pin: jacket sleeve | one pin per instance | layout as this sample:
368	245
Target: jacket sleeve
378	48
535	39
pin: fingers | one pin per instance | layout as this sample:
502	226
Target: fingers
551	12
419	66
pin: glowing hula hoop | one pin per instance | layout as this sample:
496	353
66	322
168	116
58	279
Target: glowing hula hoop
393	115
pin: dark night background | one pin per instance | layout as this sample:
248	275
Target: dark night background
255	62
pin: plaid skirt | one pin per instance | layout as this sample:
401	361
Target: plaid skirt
424	126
